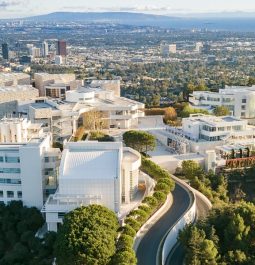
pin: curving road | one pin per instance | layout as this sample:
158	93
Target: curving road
147	250
148	247
176	257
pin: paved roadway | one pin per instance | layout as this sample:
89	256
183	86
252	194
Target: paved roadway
147	250
148	247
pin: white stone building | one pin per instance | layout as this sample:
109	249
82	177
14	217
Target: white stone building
112	85
10	95
239	100
43	80
63	117
93	173
28	164
200	133
14	79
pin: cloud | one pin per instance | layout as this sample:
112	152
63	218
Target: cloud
139	8
6	4
147	8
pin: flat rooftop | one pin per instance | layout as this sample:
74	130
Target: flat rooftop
41	105
18	88
12	76
129	156
214	120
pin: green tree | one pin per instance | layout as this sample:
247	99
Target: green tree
221	111
226	236
87	236
191	168
124	258
140	141
236	257
18	244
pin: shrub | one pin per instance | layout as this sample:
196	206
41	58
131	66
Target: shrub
125	242
101	137
128	230
165	180
162	187
145	208
160	196
156	172
126	257
151	201
139	215
133	223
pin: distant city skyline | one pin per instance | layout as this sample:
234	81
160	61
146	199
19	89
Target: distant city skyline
24	8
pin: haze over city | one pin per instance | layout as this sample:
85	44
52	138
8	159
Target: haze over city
24	8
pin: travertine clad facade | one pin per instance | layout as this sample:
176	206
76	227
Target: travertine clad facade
9	96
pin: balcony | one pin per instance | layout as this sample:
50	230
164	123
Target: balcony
66	203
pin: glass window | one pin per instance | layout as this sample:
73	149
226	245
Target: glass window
1	194
1	159
237	128
244	100
12	159
243	107
10	194
10	181
46	159
10	170
19	194
61	215
49	171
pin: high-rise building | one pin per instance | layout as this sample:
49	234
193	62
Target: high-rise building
45	49
199	47
62	48
5	51
206	48
58	59
35	52
172	48
166	49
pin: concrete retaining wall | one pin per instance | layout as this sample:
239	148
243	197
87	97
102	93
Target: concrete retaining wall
152	220
188	217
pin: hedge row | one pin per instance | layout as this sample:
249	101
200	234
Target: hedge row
150	204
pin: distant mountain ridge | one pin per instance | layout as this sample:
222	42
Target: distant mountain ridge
230	21
128	18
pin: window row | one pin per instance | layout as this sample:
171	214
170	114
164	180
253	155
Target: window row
222	129
10	159
10	194
10	170
10	181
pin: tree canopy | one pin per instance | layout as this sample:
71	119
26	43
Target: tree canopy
87	236
139	140
226	237
213	186
18	244
221	111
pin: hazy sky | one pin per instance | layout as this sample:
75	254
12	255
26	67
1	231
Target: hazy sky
20	8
